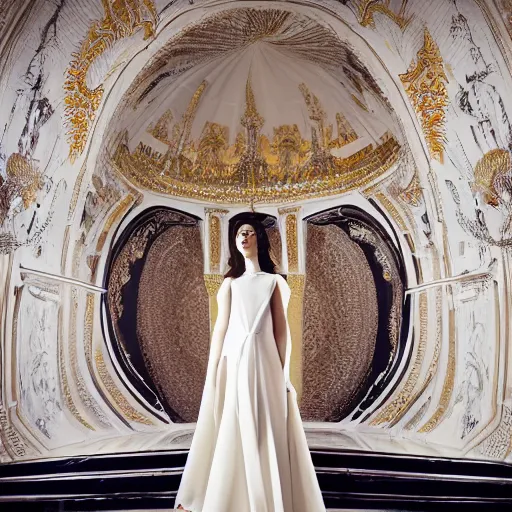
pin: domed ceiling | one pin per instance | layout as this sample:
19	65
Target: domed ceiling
254	106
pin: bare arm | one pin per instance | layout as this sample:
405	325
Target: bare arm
221	326
279	323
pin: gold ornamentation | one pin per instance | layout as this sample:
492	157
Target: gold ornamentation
88	330
292	249
449	379
122	19
23	181
413	193
215	242
400	404
424	83
162	129
346	133
145	168
254	168
119	399
296	283
367	9
391	209
76	373
66	390
493	175
114	217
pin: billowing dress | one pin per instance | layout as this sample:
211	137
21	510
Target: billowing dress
249	452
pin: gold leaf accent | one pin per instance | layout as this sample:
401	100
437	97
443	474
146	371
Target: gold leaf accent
113	218
118	397
424	83
122	19
215	240
399	405
449	380
493	175
367	9
292	249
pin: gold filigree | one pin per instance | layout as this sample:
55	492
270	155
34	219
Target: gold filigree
119	399
424	83
215	242
449	379
292	248
296	283
400	404
23	180
493	175
368	8
122	18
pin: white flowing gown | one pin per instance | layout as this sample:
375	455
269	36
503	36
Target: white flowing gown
249	452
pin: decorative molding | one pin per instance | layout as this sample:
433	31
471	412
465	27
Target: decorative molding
424	83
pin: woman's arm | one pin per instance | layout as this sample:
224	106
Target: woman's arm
221	326
279	323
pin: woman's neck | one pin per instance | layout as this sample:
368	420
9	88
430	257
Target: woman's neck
252	265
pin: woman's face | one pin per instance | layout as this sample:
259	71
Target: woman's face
246	241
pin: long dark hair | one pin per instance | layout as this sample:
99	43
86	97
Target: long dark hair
236	260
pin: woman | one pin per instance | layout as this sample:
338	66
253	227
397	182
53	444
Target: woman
249	452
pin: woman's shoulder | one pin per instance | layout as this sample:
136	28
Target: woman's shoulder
225	286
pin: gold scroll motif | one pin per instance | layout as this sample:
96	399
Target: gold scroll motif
400	404
424	83
493	176
120	400
367	8
449	379
254	168
296	282
122	18
212	283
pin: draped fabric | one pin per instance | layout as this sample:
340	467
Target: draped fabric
249	452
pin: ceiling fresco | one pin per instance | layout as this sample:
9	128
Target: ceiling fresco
375	139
